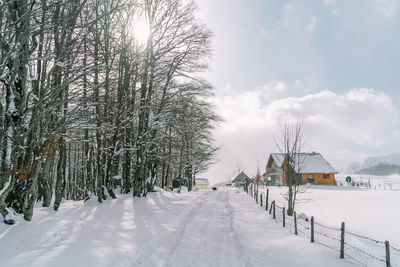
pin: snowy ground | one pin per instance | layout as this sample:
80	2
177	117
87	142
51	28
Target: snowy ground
203	228
367	212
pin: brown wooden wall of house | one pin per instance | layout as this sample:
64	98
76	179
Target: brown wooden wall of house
319	178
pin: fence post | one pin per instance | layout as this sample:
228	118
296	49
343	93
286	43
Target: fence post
312	229
257	192
295	223
261	200
342	241
270	209
266	200
387	253
283	210
274	211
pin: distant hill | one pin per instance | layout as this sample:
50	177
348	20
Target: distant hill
389	159
381	169
371	162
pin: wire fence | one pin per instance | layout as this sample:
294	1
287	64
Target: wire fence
361	249
374	184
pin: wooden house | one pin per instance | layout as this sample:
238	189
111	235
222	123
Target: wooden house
306	168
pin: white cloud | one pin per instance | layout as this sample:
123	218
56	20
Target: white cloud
360	117
287	16
334	6
384	8
273	90
294	18
312	25
343	127
328	2
374	11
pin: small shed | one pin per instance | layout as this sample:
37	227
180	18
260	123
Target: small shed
240	179
201	183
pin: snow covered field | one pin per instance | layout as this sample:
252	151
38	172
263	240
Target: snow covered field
366	212
390	182
203	228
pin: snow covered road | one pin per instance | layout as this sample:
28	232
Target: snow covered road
226	228
204	228
202	236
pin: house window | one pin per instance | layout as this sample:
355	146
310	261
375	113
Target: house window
326	176
310	178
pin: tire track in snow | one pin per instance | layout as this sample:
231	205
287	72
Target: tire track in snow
204	238
147	252
235	235
199	244
221	247
161	251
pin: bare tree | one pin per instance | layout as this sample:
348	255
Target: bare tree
291	144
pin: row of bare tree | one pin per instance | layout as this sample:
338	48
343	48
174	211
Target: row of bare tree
86	106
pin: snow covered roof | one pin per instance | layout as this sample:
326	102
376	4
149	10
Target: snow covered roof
241	177
202	181
278	158
308	162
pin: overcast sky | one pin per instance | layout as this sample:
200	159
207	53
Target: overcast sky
335	62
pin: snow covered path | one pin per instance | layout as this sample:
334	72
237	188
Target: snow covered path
226	228
202	237
204	228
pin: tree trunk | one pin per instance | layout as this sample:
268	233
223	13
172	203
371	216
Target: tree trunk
60	180
45	190
15	84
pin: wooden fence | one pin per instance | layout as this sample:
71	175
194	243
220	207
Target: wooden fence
362	249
